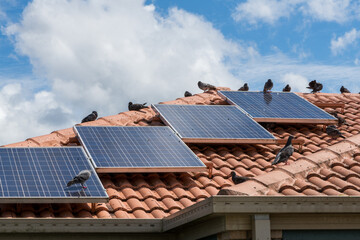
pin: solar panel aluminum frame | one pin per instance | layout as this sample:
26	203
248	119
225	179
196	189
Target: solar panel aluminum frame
216	140
139	169
284	120
77	199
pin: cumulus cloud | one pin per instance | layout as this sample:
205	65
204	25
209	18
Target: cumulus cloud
341	43
99	55
256	11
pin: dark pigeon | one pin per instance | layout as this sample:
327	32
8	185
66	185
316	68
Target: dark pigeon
333	132
91	117
244	88
341	120
285	153
80	178
312	84
187	94
344	90
136	106
238	179
206	86
317	88
268	85
287	88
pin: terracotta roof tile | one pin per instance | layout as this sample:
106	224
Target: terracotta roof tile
322	167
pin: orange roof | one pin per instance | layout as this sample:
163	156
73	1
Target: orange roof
323	167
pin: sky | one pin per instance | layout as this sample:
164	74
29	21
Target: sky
62	59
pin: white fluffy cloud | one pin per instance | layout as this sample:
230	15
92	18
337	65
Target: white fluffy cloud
99	55
340	43
270	11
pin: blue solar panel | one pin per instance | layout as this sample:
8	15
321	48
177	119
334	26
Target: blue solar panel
41	175
137	149
211	122
279	105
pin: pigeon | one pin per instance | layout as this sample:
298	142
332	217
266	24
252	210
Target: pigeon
341	120
317	88
238	179
312	84
80	178
206	86
244	88
187	94
91	117
344	90
333	132
136	106
285	153
268	85
287	88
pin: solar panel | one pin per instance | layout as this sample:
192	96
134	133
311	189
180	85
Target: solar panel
40	175
212	124
137	149
277	107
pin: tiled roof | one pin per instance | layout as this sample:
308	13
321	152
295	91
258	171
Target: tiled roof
319	168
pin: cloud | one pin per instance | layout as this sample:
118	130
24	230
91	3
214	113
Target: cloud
339	44
262	11
99	55
297	82
268	11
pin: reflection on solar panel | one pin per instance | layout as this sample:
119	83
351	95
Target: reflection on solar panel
137	149
34	175
212	124
277	107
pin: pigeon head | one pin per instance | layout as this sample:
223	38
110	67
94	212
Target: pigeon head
233	174
342	88
95	113
269	80
245	85
130	103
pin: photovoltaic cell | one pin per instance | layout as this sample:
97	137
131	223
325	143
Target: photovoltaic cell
33	175
212	123
137	149
276	105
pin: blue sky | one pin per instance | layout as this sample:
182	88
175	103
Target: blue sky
60	60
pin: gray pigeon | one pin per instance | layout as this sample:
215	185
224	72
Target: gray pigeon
287	88
136	106
341	120
91	117
187	94
80	178
238	179
333	132
268	85
285	153
244	88
344	90
206	86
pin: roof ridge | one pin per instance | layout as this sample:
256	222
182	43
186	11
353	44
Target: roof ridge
261	184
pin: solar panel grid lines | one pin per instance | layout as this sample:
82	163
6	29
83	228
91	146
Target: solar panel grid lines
137	149
212	124
40	175
277	107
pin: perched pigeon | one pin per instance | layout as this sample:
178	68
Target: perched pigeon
187	94
80	178
91	117
312	84
244	88
317	88
206	86
341	120
287	88
333	132
136	106
268	85
344	90
238	179
285	153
